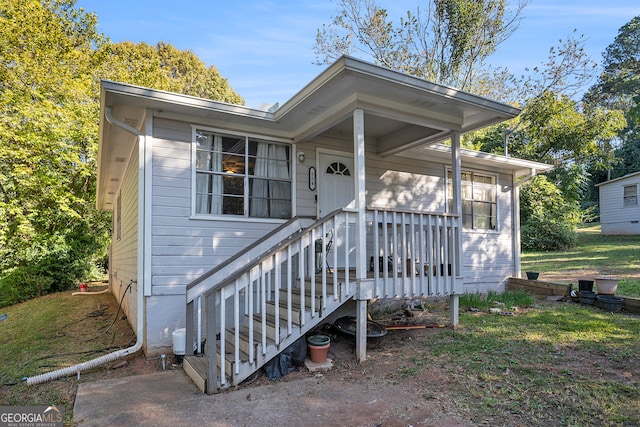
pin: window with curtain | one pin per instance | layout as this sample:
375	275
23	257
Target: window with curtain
479	200
242	176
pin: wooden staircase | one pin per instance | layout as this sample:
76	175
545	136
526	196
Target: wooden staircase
277	335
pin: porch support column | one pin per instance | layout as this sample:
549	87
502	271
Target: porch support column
361	231
515	226
456	177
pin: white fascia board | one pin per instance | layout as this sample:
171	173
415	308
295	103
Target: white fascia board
611	181
178	99
512	163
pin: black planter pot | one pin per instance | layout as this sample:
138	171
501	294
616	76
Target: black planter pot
587	298
532	275
609	303
585	285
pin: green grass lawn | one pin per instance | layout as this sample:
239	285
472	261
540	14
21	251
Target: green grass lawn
610	255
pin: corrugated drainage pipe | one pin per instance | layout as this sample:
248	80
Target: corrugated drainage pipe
76	369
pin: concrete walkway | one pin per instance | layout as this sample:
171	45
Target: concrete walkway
169	398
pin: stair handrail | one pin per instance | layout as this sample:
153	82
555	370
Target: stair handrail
243	252
275	248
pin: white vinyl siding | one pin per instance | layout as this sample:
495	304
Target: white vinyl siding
619	209
123	263
185	247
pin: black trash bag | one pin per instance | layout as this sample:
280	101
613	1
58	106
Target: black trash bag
278	367
298	352
287	361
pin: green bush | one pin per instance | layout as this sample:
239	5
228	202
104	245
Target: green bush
548	221
54	265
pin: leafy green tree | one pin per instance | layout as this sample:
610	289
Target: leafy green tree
166	68
548	220
51	60
618	87
48	231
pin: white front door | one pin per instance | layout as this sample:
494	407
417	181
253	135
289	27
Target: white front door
335	187
336	190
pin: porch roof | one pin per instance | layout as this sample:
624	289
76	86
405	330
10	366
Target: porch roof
402	113
479	159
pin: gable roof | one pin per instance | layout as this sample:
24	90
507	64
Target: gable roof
611	181
402	112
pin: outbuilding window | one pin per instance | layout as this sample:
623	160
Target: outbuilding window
242	176
479	201
630	196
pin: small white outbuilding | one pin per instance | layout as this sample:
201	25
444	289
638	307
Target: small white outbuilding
619	208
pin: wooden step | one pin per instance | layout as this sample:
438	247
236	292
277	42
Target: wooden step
296	313
296	292
196	368
243	343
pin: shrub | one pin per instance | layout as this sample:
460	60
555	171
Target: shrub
548	221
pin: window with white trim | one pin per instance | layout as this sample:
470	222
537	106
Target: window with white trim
241	176
630	196
479	200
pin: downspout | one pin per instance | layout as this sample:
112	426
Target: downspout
107	358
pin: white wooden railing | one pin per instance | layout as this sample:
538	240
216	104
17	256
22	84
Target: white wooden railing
250	314
413	254
254	309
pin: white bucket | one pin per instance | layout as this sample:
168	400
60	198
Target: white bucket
179	339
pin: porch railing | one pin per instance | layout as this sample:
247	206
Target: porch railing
414	254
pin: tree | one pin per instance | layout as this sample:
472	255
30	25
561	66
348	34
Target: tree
166	68
618	87
548	220
448	43
48	232
51	59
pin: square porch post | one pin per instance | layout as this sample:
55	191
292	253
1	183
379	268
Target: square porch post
456	178
361	230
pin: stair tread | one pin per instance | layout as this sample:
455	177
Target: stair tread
295	306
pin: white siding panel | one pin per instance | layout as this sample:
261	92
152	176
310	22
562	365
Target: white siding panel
123	267
185	248
615	218
488	255
171	130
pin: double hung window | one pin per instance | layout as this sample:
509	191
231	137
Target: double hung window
630	198
479	202
241	176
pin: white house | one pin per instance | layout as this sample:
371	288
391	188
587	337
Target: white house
248	228
619	209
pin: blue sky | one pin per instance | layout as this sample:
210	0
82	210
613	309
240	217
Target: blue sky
265	47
